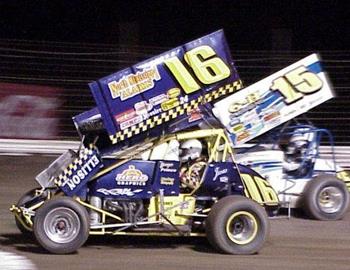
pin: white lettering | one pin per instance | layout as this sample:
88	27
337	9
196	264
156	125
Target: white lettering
86	165
82	173
167	167
219	172
76	179
95	161
71	185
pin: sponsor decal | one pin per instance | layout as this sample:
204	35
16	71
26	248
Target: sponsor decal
167	86
154	112
131	177
246	104
167	181
242	136
82	173
119	191
173	92
158	99
274	100
167	167
169	104
219	173
134	84
125	116
194	115
142	108
131	122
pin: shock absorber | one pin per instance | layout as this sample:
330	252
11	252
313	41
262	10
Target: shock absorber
95	217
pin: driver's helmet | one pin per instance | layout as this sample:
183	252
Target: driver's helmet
190	150
298	142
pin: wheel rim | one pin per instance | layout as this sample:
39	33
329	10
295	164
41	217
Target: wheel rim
61	225
242	227
330	199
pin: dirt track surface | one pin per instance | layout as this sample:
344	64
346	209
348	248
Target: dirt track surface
293	244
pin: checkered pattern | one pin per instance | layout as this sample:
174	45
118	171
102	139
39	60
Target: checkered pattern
84	155
175	112
191	177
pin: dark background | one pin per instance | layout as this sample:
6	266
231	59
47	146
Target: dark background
316	25
68	44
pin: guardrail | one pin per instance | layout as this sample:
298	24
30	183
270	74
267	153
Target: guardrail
29	147
342	155
52	147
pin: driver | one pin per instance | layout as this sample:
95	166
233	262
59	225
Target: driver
192	163
296	152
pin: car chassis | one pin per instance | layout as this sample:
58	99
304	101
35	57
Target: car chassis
157	206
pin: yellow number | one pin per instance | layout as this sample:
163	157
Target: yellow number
304	81
259	190
296	83
206	65
188	84
345	176
268	193
251	188
286	89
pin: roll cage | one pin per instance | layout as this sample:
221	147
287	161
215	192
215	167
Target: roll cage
278	139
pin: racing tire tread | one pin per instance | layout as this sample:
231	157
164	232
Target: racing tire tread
61	248
218	217
309	202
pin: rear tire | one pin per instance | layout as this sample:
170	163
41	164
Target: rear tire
61	225
237	225
326	198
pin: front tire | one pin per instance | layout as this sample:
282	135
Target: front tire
326	198
237	225
61	225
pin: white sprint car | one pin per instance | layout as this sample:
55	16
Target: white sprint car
294	168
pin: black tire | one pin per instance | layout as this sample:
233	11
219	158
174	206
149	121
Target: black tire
27	230
251	224
326	198
61	225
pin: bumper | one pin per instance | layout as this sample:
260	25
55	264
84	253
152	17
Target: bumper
22	216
